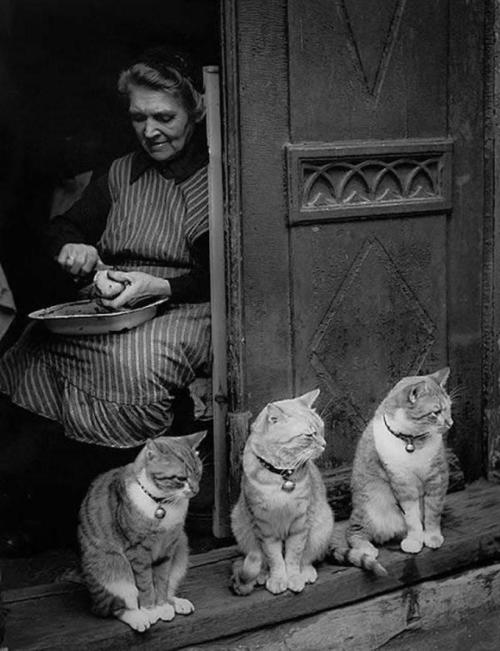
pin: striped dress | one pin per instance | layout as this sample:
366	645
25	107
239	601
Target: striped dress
117	389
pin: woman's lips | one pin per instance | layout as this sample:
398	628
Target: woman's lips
157	145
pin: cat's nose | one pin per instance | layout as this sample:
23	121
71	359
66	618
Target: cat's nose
191	489
448	422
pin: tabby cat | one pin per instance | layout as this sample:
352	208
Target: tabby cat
282	521
400	472
134	550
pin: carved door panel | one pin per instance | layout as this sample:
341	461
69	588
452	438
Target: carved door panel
376	132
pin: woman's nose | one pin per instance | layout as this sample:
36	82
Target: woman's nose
150	128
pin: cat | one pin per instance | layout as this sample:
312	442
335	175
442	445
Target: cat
282	521
134	550
400	473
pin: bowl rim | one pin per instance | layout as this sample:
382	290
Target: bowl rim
45	313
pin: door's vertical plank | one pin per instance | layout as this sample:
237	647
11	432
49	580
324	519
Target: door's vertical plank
263	77
465	236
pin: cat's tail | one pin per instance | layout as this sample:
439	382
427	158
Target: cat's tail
358	552
246	572
358	558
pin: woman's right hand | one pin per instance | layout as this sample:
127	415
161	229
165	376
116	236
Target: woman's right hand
78	259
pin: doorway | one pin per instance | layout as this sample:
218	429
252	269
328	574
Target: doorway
61	117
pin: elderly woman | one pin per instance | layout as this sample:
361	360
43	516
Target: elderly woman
147	218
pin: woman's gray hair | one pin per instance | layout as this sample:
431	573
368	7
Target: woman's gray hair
168	80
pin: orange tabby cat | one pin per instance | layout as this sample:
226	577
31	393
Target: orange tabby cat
400	472
282	521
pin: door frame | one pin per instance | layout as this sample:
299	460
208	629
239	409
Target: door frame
491	249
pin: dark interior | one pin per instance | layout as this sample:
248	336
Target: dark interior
60	115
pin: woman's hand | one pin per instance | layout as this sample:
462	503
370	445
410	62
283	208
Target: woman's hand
105	287
78	259
136	285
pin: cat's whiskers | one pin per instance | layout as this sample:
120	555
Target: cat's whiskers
456	393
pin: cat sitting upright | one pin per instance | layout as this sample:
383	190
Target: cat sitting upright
282	521
400	472
134	551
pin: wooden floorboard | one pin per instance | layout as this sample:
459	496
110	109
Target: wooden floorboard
60	620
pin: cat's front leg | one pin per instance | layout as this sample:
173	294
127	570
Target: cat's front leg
435	493
167	577
294	552
143	573
277	581
414	540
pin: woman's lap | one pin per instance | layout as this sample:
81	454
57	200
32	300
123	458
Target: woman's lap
114	389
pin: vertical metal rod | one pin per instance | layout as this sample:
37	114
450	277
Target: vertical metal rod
217	297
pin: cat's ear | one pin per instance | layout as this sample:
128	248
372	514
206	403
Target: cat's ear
151	449
194	440
441	376
274	413
308	399
415	391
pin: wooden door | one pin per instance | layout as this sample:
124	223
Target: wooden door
360	207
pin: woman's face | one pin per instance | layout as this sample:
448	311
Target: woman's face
161	122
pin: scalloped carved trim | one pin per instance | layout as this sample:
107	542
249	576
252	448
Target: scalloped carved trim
338	181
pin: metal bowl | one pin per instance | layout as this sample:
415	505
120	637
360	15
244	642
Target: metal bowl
89	317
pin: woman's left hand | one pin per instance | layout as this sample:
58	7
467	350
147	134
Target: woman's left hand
137	285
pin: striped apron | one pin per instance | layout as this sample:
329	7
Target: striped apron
117	389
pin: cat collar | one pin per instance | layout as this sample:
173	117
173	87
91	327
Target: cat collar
288	484
408	439
160	512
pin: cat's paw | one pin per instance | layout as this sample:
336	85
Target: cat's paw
262	578
277	583
152	614
166	612
182	606
136	619
309	574
433	539
411	545
296	582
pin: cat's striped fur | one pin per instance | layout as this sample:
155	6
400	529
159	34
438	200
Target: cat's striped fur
132	561
396	493
282	533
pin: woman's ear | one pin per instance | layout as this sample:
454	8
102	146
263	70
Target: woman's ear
200	110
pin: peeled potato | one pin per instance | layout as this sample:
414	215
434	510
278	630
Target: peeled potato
107	288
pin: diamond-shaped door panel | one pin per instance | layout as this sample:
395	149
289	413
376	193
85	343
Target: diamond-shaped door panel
374	332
